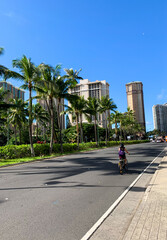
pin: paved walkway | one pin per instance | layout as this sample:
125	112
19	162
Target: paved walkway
150	219
142	215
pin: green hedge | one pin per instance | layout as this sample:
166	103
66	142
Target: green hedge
15	151
21	151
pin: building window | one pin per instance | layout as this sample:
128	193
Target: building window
5	86
13	92
18	94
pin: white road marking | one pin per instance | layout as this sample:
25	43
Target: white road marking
115	204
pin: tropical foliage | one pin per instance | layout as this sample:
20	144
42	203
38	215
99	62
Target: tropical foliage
29	75
43	120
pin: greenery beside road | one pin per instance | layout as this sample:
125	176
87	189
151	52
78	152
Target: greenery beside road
12	154
28	123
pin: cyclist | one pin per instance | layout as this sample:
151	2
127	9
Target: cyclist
122	155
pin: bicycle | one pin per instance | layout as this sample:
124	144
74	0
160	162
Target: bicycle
123	168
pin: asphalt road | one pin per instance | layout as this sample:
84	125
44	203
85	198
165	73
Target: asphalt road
62	198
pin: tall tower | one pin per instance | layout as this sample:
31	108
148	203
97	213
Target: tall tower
134	91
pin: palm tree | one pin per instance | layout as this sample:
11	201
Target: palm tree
54	87
73	76
128	121
17	115
2	68
115	119
82	111
107	105
77	108
46	89
1	50
29	75
93	108
40	115
3	105
5	72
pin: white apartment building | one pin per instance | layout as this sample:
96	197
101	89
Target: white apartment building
160	117
91	89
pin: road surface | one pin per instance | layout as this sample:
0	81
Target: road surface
62	198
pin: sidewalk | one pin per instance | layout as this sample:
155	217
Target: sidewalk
142	214
150	220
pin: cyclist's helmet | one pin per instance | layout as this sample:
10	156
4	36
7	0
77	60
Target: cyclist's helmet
122	145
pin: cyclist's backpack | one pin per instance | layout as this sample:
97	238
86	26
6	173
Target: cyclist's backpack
121	152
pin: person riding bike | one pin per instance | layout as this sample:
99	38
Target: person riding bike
122	156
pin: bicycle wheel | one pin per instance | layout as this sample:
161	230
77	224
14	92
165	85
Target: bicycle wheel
120	166
126	167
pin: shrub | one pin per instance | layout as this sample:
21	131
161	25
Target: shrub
21	151
15	151
41	149
56	148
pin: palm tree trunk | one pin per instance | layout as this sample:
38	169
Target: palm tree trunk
81	128
109	126
121	130
37	131
30	124
47	107
77	128
106	125
95	132
15	135
20	134
59	123
52	125
116	130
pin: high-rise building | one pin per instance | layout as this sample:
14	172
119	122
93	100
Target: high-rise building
88	89
160	117
14	92
45	105
134	91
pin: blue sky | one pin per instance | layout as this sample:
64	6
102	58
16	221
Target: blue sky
114	40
